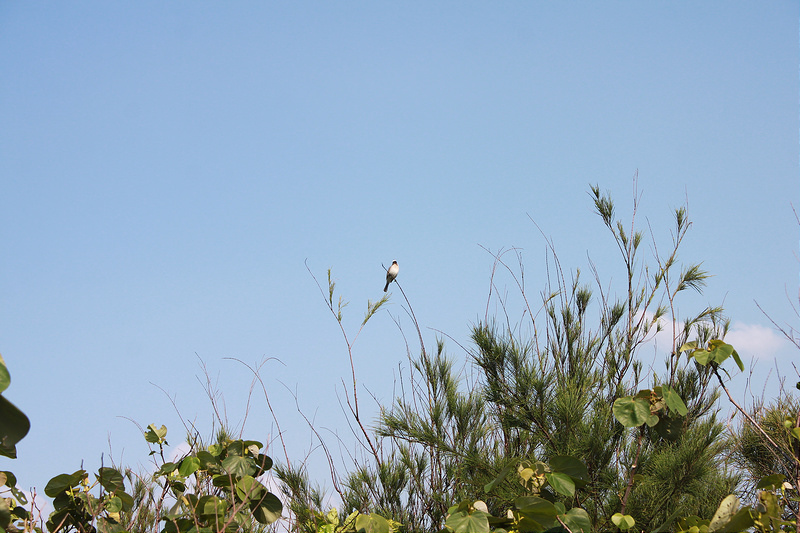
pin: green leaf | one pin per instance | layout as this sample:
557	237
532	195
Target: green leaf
207	460
176	525
239	466
155	435
771	482
212	507
739	522
14	425
264	463
770	501
561	483
689	522
463	522
577	520
702	356
166	468
632	412
534	505
526	524
725	512
463	505
222	481
237	447
674	401
8	479
5	376
248	488
623	521
21	513
738	360
127	500
268	509
720	351
373	523
177	487
253	446
526	474
110	479
5	514
688	346
113	504
189	466
63	482
19	495
572	467
190	501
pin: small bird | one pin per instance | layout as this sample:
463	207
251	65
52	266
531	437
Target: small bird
391	274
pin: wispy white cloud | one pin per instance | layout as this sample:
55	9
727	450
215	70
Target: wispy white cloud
757	341
752	341
662	340
179	451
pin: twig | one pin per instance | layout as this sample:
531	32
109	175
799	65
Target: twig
746	415
565	526
633	470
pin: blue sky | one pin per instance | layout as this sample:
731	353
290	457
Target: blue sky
168	168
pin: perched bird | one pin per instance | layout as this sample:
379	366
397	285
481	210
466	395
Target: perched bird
391	274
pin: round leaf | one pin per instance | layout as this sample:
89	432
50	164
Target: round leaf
62	482
268	509
720	350
9	479
372	523
534	505
623	521
248	488
207	460
702	356
113	504
561	483
189	466
264	463
577	520
462	522
631	412
212	506
239	466
110	479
